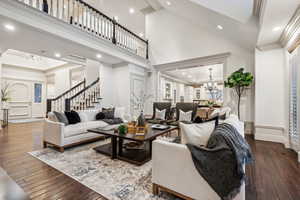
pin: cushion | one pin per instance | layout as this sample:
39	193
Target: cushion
196	134
72	117
91	114
236	123
120	113
83	116
52	117
109	113
113	121
160	114
185	116
94	124
100	116
61	117
74	129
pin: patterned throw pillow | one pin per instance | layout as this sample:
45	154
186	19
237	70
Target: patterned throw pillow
109	113
185	116
160	114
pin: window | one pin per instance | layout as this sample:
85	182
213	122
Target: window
37	93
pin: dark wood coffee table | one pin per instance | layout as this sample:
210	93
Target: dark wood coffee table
135	156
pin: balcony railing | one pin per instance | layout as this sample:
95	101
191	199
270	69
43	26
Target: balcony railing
89	19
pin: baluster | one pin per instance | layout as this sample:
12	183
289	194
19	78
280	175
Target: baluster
51	8
68	11
73	12
37	4
63	10
98	24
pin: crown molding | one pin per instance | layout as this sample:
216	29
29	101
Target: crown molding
188	63
258	6
270	46
291	31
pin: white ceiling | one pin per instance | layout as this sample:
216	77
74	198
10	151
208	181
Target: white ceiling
27	60
243	34
31	40
276	13
240	10
198	75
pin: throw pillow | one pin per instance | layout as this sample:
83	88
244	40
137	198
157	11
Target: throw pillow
185	116
198	120
72	117
109	113
160	114
83	116
196	134
52	117
100	116
61	117
113	121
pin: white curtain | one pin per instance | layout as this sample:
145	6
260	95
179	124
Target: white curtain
295	100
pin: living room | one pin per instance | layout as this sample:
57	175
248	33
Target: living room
149	99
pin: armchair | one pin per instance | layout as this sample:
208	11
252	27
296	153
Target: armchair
161	106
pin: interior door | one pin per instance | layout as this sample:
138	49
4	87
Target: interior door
38	99
20	99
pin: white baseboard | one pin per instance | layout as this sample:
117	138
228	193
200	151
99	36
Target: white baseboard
271	134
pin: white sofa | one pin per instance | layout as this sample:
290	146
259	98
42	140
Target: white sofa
62	136
174	171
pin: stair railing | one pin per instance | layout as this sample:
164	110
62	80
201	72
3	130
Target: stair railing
91	20
58	103
85	98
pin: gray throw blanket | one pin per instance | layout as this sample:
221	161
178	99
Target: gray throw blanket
220	163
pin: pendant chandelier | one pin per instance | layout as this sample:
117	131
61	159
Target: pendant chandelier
210	85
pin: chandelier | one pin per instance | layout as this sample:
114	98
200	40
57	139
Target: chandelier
211	86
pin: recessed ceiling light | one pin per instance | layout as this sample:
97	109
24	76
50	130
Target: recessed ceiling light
141	34
9	27
131	10
183	73
220	27
116	18
277	28
168	3
57	55
99	56
189	76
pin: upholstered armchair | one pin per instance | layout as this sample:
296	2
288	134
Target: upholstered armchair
185	107
161	106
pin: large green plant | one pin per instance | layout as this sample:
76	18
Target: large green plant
239	81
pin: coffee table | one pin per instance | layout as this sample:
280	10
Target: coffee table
137	156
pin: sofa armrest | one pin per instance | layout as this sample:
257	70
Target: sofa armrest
173	168
53	132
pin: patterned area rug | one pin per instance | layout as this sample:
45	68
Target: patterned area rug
113	179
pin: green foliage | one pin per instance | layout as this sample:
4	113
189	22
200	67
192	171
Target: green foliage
5	92
239	78
239	81
122	129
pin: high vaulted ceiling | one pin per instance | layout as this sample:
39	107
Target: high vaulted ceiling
236	9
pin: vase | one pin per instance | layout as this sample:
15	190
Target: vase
5	105
141	120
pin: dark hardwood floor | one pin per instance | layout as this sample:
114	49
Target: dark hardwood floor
275	175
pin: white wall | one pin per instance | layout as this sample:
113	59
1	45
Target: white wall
14	72
106	85
92	70
271	95
173	38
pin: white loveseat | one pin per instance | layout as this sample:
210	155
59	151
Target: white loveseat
174	171
62	136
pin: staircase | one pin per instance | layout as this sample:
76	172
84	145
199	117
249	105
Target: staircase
79	97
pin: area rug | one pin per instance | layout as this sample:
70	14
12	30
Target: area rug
113	179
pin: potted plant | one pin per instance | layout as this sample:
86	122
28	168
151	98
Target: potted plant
122	129
5	95
239	81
